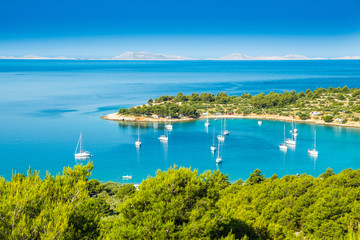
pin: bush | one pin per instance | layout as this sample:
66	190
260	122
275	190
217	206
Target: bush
304	116
126	190
328	118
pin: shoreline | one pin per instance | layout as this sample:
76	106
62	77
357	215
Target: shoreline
122	118
128	118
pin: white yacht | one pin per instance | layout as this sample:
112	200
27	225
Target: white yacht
138	143
168	126
295	131
283	146
221	138
127	177
313	152
213	147
81	154
226	132
290	142
163	138
259	123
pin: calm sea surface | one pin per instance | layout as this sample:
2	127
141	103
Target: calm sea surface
46	104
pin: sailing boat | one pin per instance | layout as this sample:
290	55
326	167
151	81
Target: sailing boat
164	138
218	159
259	123
295	130
221	137
291	141
168	126
213	147
207	123
81	154
226	132
313	152
138	143
283	146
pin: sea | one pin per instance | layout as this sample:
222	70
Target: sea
46	104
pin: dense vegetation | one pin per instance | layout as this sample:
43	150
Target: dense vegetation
331	104
181	204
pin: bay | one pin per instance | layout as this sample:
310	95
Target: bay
45	104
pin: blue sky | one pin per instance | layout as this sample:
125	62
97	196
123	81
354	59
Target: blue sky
316	28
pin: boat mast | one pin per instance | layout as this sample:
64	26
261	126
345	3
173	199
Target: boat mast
284	135
77	145
214	136
221	123
138	133
170	116
315	142
207	113
80	142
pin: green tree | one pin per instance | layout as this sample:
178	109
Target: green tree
178	203
328	118
255	177
56	207
329	172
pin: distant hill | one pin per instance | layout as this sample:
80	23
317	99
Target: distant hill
148	56
239	56
36	57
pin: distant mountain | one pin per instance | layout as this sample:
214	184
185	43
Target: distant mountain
148	56
37	57
239	56
349	58
164	57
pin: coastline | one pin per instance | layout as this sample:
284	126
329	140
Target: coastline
128	118
123	118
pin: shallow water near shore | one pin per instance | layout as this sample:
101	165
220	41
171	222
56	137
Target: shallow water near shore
45	105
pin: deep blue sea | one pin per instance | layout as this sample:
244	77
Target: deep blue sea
45	104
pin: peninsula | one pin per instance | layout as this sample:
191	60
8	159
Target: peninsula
332	106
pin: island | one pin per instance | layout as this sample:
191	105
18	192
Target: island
332	106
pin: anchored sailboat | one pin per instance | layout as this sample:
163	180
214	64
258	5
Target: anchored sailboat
295	130
219	158
81	154
313	152
168	126
138	143
164	138
226	132
221	137
213	147
291	141
283	146
207	123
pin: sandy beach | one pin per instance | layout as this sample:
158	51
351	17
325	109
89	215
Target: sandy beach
123	118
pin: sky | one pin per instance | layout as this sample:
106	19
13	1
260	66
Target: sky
192	28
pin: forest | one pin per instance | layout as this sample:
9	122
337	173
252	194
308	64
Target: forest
180	203
329	104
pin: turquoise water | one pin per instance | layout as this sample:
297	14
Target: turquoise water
45	104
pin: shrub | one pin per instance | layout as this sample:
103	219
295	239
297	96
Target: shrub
328	118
